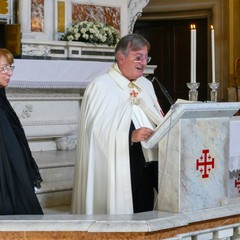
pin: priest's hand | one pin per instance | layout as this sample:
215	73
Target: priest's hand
141	134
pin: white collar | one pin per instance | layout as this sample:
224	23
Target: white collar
120	79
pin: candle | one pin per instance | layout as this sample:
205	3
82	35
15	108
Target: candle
213	54
193	53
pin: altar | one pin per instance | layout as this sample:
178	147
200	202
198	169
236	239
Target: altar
47	94
56	74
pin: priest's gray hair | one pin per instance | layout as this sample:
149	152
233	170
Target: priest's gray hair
130	42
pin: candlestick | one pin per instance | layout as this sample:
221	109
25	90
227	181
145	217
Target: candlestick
213	54
193	53
193	92
213	92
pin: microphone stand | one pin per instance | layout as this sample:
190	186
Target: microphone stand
164	90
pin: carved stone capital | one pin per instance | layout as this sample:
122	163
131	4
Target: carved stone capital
135	8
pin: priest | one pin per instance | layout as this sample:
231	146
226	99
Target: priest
114	172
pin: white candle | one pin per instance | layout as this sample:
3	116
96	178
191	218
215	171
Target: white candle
213	54
193	53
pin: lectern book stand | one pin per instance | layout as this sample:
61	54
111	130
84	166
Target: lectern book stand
193	141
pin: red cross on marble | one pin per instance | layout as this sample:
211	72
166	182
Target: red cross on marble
237	183
205	163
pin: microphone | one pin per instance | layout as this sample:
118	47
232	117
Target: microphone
164	90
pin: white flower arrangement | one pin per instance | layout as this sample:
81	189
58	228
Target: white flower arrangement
92	32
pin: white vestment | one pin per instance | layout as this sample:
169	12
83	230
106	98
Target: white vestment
102	183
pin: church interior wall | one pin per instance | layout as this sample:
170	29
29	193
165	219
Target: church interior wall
234	39
216	11
222	14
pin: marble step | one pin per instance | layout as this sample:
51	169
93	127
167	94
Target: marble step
57	170
60	173
64	209
53	194
53	159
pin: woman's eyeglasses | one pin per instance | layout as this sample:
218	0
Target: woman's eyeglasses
6	68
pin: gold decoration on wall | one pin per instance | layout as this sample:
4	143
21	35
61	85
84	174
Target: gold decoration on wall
3	6
37	15
96	13
61	16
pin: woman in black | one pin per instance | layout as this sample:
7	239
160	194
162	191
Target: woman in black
19	173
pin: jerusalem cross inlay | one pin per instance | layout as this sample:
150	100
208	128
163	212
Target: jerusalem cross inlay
205	163
237	183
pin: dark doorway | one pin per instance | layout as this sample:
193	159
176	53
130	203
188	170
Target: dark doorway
10	35
170	51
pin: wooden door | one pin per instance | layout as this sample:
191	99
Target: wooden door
170	51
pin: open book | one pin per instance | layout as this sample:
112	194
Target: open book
183	109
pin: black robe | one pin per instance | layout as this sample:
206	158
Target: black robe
19	173
144	177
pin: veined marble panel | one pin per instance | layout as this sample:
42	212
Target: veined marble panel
194	165
193	142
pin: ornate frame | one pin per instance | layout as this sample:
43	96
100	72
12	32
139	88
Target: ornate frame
97	5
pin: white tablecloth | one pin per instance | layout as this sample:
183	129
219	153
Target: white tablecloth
234	161
55	73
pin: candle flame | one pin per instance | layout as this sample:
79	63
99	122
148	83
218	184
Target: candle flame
193	26
212	27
